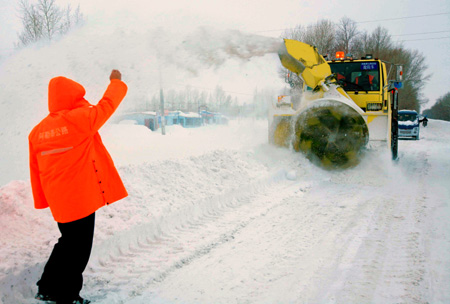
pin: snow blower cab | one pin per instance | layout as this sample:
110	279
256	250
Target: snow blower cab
345	104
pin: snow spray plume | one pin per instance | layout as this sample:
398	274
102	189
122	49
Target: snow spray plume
86	55
205	47
214	48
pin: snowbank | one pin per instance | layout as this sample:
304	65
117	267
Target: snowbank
164	176
147	146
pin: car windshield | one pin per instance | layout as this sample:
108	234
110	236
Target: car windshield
407	116
357	76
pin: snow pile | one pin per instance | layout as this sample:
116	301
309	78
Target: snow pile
152	146
164	176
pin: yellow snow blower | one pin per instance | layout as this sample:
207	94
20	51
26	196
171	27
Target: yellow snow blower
345	104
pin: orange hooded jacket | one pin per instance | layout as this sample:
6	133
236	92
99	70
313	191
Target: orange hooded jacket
71	171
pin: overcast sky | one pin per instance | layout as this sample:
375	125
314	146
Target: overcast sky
270	17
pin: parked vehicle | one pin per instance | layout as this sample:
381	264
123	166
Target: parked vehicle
409	124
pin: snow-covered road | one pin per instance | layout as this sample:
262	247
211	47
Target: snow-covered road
351	238
238	221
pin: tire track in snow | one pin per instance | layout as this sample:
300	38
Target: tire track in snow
279	258
174	241
389	263
404	272
350	240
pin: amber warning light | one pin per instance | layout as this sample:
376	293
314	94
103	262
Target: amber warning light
340	55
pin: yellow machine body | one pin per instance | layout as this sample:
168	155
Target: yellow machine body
345	105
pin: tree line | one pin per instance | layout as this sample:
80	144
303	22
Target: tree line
441	109
329	37
218	100
189	99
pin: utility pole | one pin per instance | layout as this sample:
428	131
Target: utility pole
163	119
161	99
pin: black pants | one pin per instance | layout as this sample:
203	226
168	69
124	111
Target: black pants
62	278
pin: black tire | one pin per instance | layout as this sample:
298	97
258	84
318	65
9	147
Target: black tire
394	142
394	125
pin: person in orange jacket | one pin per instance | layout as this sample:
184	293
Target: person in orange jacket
72	173
366	80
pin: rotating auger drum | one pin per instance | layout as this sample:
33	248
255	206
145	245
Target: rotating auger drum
331	134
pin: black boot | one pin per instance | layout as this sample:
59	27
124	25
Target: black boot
44	297
78	300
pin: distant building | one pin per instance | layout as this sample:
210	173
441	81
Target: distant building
148	119
152	120
190	120
172	117
213	117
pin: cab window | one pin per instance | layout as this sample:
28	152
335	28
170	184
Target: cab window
407	116
357	76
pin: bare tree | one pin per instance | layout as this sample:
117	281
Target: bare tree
414	79
71	18
45	20
51	17
220	98
378	43
296	33
321	35
31	21
346	34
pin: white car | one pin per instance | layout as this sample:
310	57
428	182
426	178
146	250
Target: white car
409	124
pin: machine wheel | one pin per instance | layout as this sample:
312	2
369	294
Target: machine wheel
394	124
394	142
282	132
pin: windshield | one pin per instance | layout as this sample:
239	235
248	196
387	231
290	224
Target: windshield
357	76
407	116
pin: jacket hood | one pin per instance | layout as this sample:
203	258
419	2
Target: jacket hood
65	94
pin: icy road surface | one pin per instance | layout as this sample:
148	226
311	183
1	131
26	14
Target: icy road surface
233	220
